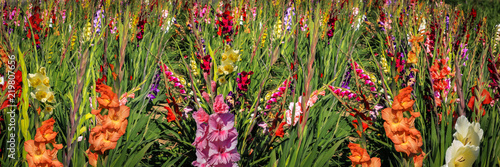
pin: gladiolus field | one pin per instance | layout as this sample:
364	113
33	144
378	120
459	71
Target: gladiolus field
368	83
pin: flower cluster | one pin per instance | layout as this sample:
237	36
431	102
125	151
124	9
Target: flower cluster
331	24
229	58
278	30
216	137
272	97
109	128
465	148
344	93
178	83
289	13
364	78
207	63
243	80
141	24
87	31
441	83
487	100
415	49
33	27
194	68
225	24
38	154
401	130
98	17
359	156
40	82
154	85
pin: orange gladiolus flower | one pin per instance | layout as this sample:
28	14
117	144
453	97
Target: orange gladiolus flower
412	57
101	142
416	39
374	162
419	160
116	117
407	143
38	154
45	133
394	121
359	155
401	130
109	128
92	157
108	98
402	101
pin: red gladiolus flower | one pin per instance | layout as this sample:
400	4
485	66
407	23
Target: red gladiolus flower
279	131
472	100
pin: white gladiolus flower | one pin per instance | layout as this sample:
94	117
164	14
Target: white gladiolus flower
459	154
468	133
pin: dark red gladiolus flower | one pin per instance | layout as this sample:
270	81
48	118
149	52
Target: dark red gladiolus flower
243	80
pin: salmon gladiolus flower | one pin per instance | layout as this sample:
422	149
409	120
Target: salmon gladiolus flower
38	154
401	130
359	156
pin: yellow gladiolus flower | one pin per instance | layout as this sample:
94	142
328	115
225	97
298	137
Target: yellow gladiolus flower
39	78
40	82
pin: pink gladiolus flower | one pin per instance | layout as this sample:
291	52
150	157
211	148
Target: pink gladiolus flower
168	73
373	89
363	76
219	106
216	140
123	98
282	89
268	106
359	71
206	96
221	126
351	95
201	136
182	91
223	153
200	116
177	84
337	91
298	111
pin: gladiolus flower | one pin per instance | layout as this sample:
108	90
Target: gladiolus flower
38	154
459	154
359	156
200	116
473	99
468	133
221	127
170	114
219	105
280	132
